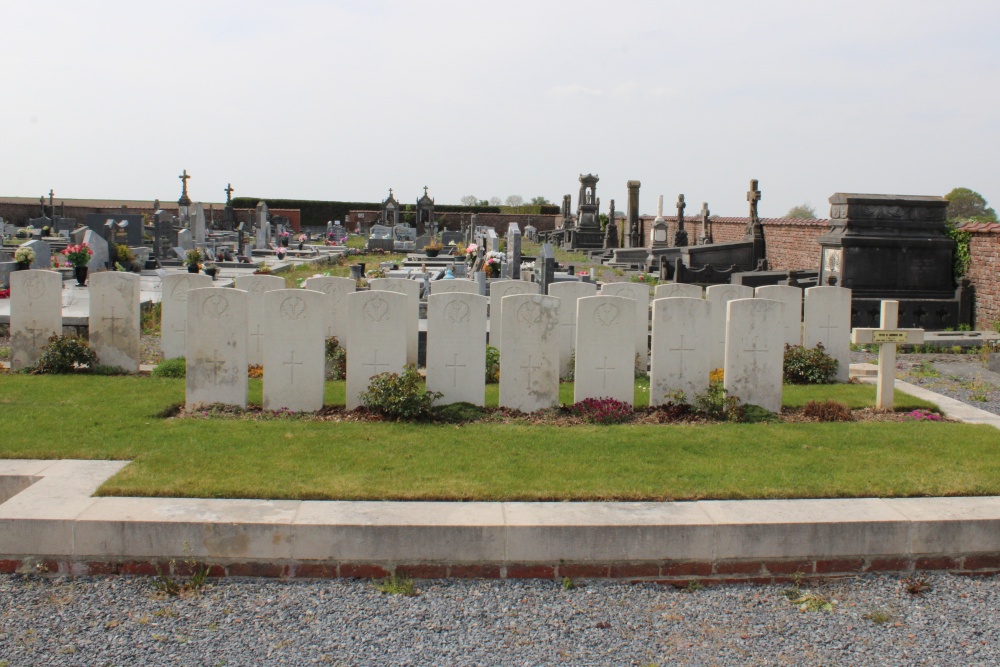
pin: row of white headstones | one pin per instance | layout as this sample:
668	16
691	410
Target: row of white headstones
602	338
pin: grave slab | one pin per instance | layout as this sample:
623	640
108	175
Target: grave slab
669	290
498	290
792	298
754	352
336	290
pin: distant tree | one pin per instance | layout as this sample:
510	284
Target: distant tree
539	201
804	211
483	202
514	200
966	204
470	200
495	201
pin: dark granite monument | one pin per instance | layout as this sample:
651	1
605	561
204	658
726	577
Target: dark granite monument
586	233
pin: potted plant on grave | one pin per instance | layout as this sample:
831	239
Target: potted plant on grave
211	269
492	263
24	257
471	252
433	248
46	231
78	257
301	239
284	236
193	261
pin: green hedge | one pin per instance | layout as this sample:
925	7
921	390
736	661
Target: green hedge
317	213
532	209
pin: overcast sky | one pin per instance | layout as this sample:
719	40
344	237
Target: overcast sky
343	100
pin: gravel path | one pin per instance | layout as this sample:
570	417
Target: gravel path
123	621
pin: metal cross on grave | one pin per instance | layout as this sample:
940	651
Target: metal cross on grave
113	320
529	368
454	366
887	336
604	369
216	364
229	193
375	365
291	363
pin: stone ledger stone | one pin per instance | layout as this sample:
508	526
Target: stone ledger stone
529	352
410	289
255	286
215	346
792	298
376	339
605	362
498	290
173	313
35	314
640	293
452	286
568	292
720	295
114	318
456	347
294	350
828	321
336	290
668	290
682	346
754	352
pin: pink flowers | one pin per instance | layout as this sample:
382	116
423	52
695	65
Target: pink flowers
4	293
921	414
78	255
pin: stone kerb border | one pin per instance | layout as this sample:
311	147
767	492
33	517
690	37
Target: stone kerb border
50	522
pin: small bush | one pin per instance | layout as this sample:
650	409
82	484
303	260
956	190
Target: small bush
99	369
828	411
399	396
393	585
714	403
492	365
602	410
171	368
803	365
336	359
63	354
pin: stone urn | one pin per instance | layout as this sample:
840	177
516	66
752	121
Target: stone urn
193	268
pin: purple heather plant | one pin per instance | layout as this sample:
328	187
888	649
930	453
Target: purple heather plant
602	410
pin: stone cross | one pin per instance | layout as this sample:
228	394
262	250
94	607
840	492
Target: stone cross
229	193
706	234
887	336
680	235
184	179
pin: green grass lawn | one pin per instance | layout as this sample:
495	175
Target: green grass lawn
116	418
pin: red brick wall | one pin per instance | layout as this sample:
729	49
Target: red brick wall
984	272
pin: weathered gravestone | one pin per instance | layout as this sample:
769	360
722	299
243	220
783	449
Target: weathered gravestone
185	239
35	314
529	352
605	362
43	254
827	320
173	311
456	347
792	298
215	347
458	285
411	289
671	290
720	295
256	286
336	290
754	351
682	344
514	251
639	292
294	350
114	318
568	293
102	253
376	339
498	290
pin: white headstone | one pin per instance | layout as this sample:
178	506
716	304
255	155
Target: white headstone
35	314
411	289
185	239
754	352
456	347
827	320
640	293
670	290
529	352
568	292
720	295
197	213
215	347
682	344
102	253
792	298
451	286
605	361
376	339
498	290
114	318
336	290
173	313
255	286
294	350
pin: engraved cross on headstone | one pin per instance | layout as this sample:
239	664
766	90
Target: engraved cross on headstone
454	366
257	335
680	348
605	368
34	330
529	368
216	364
113	321
291	363
375	365
829	327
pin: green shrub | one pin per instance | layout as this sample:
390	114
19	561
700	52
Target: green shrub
399	396
336	359
714	403
63	354
805	365
492	365
171	368
98	369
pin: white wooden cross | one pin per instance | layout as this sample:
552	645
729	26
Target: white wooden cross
887	336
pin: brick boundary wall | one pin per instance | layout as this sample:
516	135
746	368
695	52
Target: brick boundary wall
984	272
678	573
